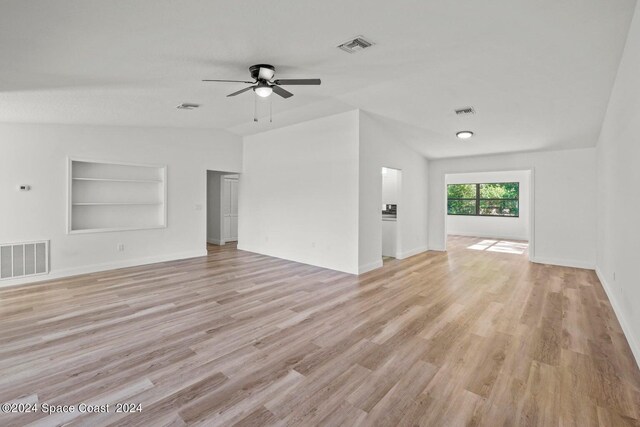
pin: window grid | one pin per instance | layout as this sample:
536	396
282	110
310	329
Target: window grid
478	199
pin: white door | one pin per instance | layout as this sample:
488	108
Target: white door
230	209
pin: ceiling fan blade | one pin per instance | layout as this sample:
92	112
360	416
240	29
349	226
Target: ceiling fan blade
283	93
297	82
228	81
240	91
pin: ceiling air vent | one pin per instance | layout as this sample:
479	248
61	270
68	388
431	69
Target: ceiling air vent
465	111
356	45
187	106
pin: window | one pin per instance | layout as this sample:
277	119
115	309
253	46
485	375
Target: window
495	199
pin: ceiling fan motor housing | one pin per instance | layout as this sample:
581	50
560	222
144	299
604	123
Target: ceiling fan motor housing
255	71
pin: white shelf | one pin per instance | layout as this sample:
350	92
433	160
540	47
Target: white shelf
115	204
108	196
107	230
156	181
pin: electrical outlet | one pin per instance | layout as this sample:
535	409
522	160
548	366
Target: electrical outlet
313	244
198	207
614	276
120	247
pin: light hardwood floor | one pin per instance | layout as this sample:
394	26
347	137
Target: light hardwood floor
468	337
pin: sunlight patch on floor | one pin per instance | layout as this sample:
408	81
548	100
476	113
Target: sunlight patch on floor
502	246
481	246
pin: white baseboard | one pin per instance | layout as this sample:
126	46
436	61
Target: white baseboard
626	329
216	241
412	252
563	262
455	233
437	248
286	257
369	267
95	268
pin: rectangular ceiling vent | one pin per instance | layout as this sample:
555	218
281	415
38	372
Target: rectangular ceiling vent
355	45
187	106
24	259
465	111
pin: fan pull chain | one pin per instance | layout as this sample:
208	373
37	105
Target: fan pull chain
255	107
271	109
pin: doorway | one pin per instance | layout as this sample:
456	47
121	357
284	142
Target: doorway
494	207
391	182
230	208
222	207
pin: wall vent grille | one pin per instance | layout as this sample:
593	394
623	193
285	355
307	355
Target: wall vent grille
465	111
187	106
24	259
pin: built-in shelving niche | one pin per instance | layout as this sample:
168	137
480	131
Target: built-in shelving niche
107	196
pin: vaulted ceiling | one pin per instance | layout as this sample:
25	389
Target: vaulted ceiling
538	73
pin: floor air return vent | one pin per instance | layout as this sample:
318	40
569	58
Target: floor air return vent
24	259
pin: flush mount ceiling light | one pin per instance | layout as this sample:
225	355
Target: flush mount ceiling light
464	134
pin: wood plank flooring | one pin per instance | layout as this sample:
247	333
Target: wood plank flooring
467	337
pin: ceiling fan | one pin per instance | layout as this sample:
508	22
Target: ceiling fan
264	83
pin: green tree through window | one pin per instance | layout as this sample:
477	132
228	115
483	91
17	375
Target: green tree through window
492	199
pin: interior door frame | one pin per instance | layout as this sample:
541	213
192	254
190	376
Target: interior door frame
222	174
398	243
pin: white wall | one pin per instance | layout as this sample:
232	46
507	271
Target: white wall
37	155
383	144
618	196
214	207
563	184
299	193
486	226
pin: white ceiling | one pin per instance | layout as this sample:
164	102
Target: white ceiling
539	73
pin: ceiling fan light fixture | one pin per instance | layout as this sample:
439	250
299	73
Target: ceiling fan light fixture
264	84
464	134
263	91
